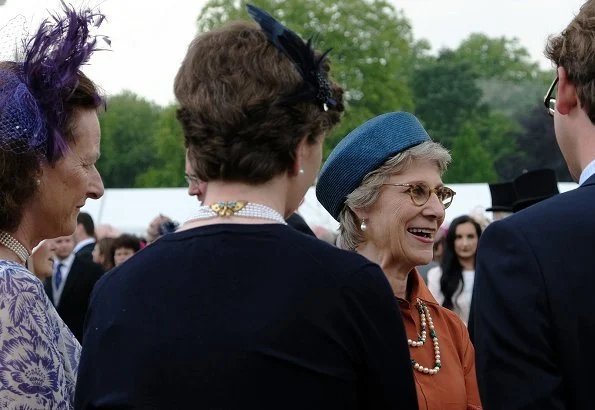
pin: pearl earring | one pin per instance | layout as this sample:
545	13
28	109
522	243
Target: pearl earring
301	171
363	226
38	181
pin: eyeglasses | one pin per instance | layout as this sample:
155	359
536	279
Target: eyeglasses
549	101
191	179
420	193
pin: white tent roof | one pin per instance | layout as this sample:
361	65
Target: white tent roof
131	210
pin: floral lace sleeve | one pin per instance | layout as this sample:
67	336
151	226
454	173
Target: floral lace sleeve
38	354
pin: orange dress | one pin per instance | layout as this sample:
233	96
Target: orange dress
454	387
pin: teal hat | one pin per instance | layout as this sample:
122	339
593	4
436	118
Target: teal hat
362	151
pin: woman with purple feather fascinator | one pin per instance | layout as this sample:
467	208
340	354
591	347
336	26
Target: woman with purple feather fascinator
237	309
49	143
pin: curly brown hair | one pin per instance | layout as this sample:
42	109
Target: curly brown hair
233	87
574	49
19	172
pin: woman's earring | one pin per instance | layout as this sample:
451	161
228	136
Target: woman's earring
301	171
38	182
363	226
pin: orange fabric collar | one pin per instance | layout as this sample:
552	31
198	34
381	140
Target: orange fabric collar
417	288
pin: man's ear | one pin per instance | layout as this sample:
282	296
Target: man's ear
566	97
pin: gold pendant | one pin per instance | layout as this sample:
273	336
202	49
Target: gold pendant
228	208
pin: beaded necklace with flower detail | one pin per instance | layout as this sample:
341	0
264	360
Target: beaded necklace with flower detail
426	319
10	242
245	209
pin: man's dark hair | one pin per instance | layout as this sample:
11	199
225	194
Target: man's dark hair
85	219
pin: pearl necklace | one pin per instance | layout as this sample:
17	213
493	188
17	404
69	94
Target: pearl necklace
14	245
424	313
245	209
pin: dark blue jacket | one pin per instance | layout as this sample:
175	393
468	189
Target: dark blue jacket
534	326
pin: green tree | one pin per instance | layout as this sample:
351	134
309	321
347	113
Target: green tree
497	133
126	133
446	95
471	161
502	57
537	147
510	81
513	98
371	41
168	146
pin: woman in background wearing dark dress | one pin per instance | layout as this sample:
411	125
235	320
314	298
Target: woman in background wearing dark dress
238	310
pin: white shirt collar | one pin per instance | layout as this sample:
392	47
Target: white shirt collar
587	173
82	243
66	265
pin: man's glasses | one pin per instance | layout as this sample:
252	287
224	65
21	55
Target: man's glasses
549	101
191	179
420	193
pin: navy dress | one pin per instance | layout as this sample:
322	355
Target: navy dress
244	317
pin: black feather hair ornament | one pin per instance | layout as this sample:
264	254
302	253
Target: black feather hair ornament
301	54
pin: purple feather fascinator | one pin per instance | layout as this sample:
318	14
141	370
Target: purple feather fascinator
301	54
34	91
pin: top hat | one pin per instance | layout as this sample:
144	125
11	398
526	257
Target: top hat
503	196
533	187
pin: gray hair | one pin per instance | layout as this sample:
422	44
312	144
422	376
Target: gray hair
368	192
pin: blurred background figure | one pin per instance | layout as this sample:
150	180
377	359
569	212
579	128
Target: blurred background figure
503	197
106	231
324	234
196	187
451	282
297	222
438	251
71	284
533	187
480	217
159	226
124	247
41	261
84	236
103	253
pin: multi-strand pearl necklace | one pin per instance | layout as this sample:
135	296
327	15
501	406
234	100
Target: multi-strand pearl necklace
14	245
424	313
243	209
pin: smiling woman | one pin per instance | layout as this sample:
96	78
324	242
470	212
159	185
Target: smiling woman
49	143
383	183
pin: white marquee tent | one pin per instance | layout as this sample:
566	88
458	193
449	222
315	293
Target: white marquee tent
131	210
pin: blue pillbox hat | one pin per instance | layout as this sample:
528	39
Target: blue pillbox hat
362	151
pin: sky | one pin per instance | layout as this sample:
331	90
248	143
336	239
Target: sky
150	37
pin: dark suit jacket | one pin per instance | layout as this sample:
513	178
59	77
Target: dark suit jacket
534	324
86	252
75	296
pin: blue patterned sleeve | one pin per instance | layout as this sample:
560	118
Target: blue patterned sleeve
38	354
